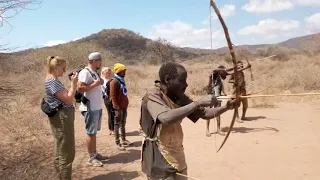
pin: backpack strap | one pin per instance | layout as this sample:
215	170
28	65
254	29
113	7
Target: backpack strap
91	73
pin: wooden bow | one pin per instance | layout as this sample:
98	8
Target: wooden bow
236	76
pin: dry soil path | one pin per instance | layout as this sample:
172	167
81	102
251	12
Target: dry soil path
275	143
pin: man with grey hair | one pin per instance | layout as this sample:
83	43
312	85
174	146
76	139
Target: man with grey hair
91	105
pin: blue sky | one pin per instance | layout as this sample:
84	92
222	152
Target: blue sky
183	22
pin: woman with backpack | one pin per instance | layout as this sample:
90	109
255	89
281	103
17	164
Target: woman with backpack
106	75
62	122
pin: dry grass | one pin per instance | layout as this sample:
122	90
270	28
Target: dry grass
300	74
25	132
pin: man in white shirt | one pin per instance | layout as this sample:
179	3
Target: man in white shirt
91	106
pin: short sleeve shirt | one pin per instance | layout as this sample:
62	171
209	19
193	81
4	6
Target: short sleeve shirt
95	94
53	86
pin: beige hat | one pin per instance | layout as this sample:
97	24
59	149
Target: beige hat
94	56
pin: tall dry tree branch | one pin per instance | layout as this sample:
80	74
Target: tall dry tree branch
11	8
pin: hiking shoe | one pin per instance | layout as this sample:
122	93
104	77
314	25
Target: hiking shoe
100	157
120	147
126	143
111	133
93	161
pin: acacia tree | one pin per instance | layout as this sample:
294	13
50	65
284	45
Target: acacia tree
162	49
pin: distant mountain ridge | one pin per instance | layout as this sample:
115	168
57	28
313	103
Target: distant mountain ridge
131	47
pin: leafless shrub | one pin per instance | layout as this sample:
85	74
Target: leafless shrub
162	50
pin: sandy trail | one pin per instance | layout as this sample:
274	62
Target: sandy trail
276	143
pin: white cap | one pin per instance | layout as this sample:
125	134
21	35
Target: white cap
94	56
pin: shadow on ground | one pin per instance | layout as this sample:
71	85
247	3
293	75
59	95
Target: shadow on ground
132	133
254	118
124	157
136	144
249	130
116	175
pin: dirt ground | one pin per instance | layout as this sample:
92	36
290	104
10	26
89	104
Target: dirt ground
275	143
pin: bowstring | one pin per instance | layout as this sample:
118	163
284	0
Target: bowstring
210	24
210	17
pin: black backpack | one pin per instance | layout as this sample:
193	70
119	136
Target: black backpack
107	90
79	95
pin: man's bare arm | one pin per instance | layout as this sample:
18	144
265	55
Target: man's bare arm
229	69
83	87
175	115
209	82
214	112
231	80
240	70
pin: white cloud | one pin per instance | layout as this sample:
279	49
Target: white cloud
313	23
267	6
308	2
54	42
271	28
226	11
75	39
57	42
185	35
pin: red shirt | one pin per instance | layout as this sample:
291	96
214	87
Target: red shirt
119	101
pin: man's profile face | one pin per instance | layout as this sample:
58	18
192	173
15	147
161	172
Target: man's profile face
97	64
122	73
178	84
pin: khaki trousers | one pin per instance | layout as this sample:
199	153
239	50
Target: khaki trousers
62	126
